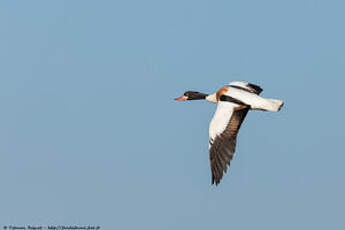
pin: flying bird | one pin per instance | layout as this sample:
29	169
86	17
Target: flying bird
233	103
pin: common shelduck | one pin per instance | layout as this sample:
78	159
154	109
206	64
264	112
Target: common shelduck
233	103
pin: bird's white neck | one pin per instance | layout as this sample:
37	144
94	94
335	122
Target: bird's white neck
212	98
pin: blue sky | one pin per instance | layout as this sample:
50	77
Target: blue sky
90	133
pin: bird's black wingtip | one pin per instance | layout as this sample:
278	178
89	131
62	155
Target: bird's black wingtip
257	89
215	182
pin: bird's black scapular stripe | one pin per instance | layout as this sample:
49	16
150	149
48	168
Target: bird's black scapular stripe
241	88
255	88
231	99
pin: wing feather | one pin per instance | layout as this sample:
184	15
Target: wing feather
223	134
246	86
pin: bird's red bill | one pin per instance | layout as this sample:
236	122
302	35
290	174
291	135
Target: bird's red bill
182	98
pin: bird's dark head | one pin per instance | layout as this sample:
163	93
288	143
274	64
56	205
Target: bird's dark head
191	95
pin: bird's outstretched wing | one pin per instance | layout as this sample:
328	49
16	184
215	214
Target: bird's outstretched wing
223	131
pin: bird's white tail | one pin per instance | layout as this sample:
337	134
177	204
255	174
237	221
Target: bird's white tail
273	105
